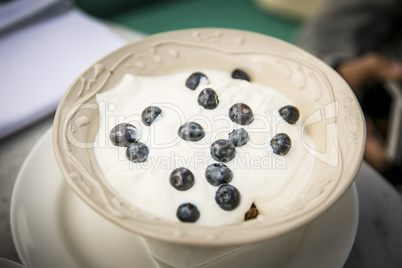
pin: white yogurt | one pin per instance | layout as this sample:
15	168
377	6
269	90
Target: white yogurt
268	180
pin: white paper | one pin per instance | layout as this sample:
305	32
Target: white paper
40	61
16	11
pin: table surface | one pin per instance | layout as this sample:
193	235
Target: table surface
379	237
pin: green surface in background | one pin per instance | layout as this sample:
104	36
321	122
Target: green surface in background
156	17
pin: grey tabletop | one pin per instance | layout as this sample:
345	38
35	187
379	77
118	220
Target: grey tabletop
378	241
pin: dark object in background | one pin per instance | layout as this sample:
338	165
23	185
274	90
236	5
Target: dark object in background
382	103
375	103
104	8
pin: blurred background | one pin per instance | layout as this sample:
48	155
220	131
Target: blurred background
152	16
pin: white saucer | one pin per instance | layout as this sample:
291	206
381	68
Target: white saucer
52	227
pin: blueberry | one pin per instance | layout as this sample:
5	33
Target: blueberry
137	152
191	131
241	113
149	115
281	144
239	137
208	99
187	213
195	79
218	173
223	150
123	134
290	114
227	197
240	74
181	179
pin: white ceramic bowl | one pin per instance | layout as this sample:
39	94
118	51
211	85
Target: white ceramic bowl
330	110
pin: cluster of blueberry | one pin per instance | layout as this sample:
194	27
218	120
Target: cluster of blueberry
222	150
125	134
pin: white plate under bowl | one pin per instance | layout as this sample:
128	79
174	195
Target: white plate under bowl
52	227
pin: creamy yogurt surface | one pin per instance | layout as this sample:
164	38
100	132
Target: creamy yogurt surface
269	180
